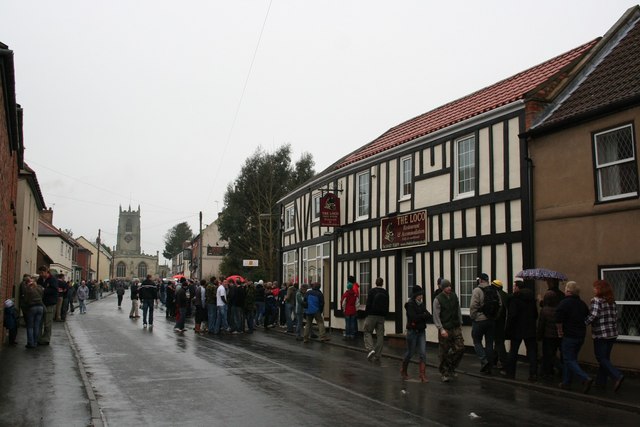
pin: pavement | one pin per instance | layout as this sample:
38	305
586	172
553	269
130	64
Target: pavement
70	379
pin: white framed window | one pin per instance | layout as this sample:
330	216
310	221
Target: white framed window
61	248
406	177
615	162
625	282
409	275
364	279
316	207
362	181
312	262
290	266
467	269
465	166
289	217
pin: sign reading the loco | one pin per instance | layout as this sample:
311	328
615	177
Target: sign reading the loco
330	210
404	230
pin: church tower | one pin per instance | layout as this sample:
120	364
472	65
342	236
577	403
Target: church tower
129	232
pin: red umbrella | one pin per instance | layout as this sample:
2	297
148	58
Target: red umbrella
178	276
236	278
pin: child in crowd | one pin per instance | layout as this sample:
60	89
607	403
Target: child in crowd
11	320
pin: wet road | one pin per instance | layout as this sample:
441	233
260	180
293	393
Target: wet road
159	377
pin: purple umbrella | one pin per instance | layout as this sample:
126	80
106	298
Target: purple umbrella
541	274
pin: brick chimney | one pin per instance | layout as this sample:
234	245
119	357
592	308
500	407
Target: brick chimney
47	215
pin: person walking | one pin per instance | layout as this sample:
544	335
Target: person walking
484	307
120	294
447	317
83	294
548	333
500	356
314	303
376	310
200	300
134	314
570	321
181	302
603	318
49	299
521	326
148	294
417	318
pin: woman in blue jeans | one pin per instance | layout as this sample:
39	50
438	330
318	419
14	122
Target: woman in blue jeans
603	318
417	317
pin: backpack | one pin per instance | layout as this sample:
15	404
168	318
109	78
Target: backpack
491	305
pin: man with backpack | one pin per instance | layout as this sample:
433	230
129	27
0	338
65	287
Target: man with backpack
485	307
377	309
313	303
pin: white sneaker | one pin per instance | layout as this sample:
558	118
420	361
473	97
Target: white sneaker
370	355
445	379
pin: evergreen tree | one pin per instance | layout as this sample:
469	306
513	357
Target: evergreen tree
250	220
175	238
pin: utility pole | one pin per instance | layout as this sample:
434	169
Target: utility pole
98	260
200	265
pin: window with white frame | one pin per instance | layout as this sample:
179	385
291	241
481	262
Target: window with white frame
625	282
465	167
467	268
616	166
363	195
316	207
406	177
289	216
312	262
290	266
364	280
409	274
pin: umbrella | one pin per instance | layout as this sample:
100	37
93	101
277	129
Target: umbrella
236	278
178	276
541	274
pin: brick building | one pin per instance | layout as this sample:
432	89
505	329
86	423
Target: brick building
11	159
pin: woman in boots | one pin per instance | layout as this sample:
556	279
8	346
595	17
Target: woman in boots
417	317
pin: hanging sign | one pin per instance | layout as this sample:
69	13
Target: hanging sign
402	231
330	210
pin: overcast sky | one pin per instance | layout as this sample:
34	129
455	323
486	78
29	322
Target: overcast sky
158	103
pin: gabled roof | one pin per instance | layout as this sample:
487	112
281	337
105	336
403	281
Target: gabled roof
610	80
48	230
499	94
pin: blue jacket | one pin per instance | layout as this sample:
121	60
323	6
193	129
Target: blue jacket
313	301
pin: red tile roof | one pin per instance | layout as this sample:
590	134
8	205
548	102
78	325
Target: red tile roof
487	99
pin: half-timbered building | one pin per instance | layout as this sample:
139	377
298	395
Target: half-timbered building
444	194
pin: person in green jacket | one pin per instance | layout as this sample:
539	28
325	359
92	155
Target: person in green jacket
447	317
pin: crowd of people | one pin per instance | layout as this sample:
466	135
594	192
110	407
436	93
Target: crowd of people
44	299
558	321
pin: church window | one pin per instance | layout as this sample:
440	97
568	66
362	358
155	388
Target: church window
121	269
128	228
142	270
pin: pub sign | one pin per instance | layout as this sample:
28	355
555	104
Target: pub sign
403	231
330	210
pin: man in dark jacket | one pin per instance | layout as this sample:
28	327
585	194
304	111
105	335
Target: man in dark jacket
376	310
313	302
522	316
49	299
149	296
447	317
570	316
